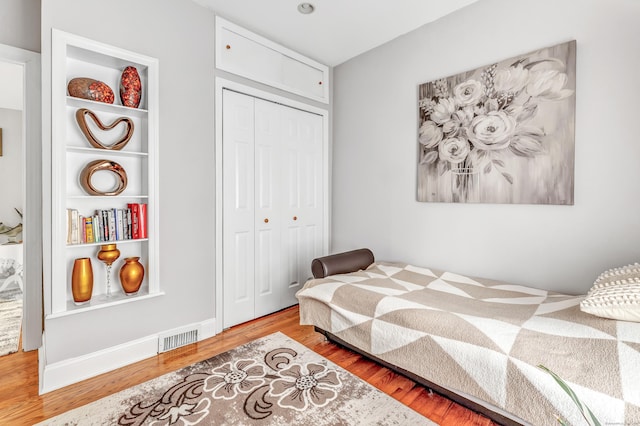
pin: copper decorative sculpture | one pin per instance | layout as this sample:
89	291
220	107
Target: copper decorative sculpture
103	165
88	88
81	118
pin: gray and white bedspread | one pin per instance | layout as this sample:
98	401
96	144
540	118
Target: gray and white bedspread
485	338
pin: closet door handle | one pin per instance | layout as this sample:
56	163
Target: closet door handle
266	220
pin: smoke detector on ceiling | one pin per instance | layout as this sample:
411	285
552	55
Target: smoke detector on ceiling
306	8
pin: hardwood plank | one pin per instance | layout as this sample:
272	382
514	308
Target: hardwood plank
20	403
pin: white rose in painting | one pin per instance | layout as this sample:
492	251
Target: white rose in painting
491	131
430	134
443	110
548	85
454	150
459	120
468	93
512	79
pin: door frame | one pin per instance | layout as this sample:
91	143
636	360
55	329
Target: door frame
221	85
31	191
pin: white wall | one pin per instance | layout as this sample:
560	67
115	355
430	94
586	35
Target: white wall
180	34
20	24
553	247
11	164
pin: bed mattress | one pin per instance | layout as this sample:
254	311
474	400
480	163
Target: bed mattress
484	338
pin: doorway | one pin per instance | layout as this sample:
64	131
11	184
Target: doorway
302	217
21	192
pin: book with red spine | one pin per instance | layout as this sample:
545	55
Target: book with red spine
142	221
135	222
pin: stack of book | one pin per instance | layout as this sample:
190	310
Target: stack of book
107	225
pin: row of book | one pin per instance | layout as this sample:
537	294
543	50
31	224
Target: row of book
107	225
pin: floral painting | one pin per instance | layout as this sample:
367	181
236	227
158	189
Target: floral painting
503	133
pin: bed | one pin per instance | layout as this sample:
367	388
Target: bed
478	341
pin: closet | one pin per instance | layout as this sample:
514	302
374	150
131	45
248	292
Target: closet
272	204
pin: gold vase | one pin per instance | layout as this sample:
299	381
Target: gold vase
108	254
82	280
131	275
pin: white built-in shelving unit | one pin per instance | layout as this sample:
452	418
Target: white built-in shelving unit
74	56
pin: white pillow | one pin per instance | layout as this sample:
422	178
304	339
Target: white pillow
615	294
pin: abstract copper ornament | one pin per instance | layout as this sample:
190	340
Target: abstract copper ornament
93	140
103	165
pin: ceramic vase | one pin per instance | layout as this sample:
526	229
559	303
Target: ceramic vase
465	185
130	87
131	275
108	254
82	280
93	90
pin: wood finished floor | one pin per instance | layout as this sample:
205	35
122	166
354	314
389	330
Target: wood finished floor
20	403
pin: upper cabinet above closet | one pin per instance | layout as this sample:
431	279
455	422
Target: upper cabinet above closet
249	55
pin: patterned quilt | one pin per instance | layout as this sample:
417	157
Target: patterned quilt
485	338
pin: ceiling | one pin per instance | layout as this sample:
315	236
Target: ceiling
338	30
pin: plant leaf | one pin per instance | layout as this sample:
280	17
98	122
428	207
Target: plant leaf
498	163
584	410
508	177
430	157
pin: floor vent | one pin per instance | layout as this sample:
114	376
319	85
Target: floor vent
167	343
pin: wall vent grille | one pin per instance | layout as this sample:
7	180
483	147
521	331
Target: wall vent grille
167	343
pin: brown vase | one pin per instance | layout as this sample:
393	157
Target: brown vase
131	275
82	280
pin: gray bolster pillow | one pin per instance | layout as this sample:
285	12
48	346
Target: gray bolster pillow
342	263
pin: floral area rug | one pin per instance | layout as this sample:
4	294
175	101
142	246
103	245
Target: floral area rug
270	381
10	319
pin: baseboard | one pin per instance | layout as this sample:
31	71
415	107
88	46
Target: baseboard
42	356
64	373
208	329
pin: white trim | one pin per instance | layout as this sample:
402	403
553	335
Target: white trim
42	361
207	329
118	300
222	84
69	371
74	370
254	74
31	190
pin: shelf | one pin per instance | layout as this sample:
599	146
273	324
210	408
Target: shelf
106	197
103	107
74	57
101	243
94	151
102	301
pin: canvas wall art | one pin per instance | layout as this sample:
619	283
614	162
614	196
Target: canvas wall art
502	133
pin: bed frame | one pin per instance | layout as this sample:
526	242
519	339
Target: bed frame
467	401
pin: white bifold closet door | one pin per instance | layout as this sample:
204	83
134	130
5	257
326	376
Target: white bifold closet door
272	212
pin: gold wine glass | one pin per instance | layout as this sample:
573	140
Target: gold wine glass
108	254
